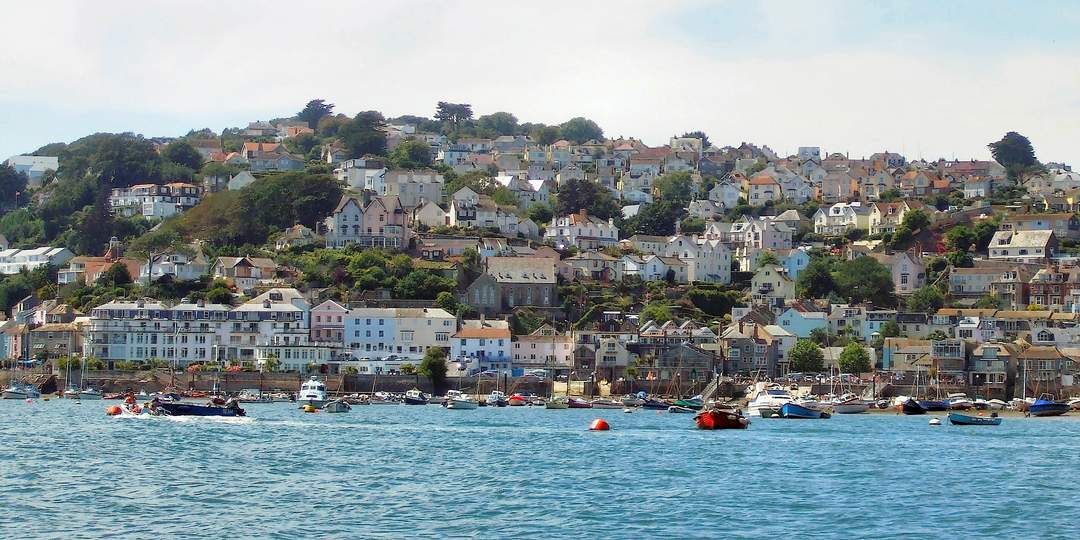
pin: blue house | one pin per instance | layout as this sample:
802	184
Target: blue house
801	323
794	260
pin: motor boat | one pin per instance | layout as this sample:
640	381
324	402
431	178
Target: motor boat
911	407
695	403
680	409
606	404
91	394
655	404
849	404
634	400
721	418
768	399
337	406
576	403
383	398
1047	406
416	397
517	400
996	404
312	392
497	399
19	390
164	408
557	403
457	400
960	402
937	405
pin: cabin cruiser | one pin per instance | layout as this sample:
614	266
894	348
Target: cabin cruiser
19	390
960	401
497	399
768	399
458	400
312	392
416	397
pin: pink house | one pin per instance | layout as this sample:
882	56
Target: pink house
368	221
328	322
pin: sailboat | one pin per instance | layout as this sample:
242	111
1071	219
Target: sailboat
19	390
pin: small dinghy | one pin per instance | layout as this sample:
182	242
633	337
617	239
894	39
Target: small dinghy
958	419
794	410
718	418
337	406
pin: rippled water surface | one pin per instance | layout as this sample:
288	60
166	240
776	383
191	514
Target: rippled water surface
68	471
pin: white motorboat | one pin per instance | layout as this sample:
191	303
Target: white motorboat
90	394
996	404
497	399
606	404
312	392
337	406
19	390
849	404
460	401
768	399
960	401
557	403
253	395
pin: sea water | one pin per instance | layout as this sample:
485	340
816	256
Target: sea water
69	471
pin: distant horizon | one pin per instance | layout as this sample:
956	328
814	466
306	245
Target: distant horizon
927	80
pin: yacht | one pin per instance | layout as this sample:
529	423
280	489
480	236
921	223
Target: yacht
768	399
19	390
312	392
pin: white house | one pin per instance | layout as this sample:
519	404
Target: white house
582	230
34	167
483	343
403	332
13	261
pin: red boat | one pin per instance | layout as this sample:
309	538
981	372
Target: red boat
721	419
517	400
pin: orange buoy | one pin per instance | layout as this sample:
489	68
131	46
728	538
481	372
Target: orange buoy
113	410
599	425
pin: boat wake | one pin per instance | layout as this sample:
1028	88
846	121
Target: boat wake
189	419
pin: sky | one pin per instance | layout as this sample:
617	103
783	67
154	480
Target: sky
928	79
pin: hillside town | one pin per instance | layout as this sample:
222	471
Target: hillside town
328	244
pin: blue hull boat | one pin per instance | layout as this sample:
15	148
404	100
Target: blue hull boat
793	410
187	409
958	419
655	404
1045	407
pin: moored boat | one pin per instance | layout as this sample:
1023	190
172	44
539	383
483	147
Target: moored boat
849	404
17	390
312	392
1046	406
678	409
517	400
576	403
911	407
633	400
497	399
935	404
694	403
720	418
794	410
958	419
557	403
960	402
416	397
768	399
655	404
606	404
460	401
337	406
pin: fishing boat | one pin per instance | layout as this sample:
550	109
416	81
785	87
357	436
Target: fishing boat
768	399
910	406
312	392
695	403
576	403
337	406
497	399
794	410
460	401
721	418
517	400
960	402
17	390
1046	406
416	397
849	404
606	404
557	403
230	408
958	419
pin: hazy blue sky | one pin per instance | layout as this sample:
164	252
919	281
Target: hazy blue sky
931	79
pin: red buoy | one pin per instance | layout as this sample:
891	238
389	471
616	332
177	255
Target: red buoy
113	410
599	425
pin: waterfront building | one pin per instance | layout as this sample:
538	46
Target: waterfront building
483	345
405	333
13	261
